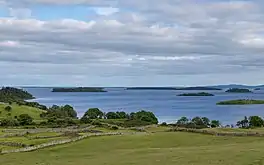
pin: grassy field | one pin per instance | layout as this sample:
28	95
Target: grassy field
18	110
168	148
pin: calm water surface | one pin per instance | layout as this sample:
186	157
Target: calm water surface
166	105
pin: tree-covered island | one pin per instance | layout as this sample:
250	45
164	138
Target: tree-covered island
79	89
238	90
240	102
196	94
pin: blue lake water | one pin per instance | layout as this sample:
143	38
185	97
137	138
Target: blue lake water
166	105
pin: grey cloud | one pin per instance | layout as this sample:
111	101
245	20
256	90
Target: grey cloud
126	42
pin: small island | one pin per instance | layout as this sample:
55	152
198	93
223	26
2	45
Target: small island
238	90
240	102
196	94
78	89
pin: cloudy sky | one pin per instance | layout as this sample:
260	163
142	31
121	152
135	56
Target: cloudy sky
131	42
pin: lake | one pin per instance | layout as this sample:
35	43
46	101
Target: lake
166	105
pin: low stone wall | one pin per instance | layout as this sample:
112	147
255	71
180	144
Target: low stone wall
211	132
13	144
41	130
57	142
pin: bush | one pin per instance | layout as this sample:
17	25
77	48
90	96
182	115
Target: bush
25	119
114	128
164	124
9	122
8	108
85	120
97	123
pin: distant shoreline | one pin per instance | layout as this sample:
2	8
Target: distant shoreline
172	88
78	89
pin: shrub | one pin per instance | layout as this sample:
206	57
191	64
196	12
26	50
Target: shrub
8	108
85	120
163	124
114	128
97	123
9	122
25	119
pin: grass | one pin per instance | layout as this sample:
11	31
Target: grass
240	102
260	130
168	148
18	110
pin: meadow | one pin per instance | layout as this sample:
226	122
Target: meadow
153	147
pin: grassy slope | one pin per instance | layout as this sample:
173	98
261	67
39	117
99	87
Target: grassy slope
18	110
154	149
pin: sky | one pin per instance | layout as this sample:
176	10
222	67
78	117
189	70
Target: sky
131	42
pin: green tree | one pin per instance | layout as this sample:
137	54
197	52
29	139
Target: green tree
215	123
25	119
69	111
112	115
243	123
122	115
206	121
182	121
255	121
198	121
93	113
146	116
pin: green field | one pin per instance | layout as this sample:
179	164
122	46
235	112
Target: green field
168	148
18	110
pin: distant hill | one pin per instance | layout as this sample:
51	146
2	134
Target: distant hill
172	88
151	88
198	88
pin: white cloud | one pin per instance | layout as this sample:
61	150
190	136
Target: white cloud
9	44
105	10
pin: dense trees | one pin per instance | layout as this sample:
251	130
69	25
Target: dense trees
95	113
250	122
10	94
197	122
60	112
